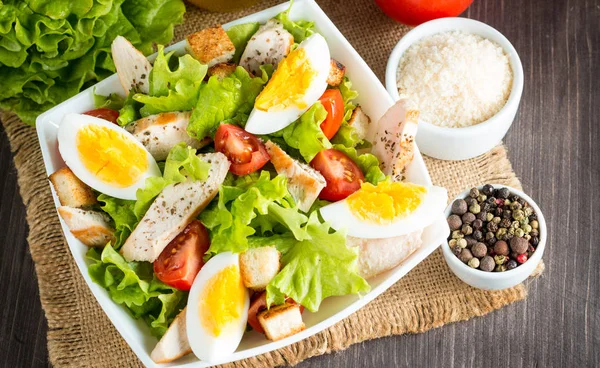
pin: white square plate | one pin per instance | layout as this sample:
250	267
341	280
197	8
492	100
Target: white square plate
373	98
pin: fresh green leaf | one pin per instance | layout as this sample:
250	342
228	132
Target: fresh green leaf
135	285
112	101
368	163
300	29
240	35
305	134
224	99
347	135
317	268
130	110
121	212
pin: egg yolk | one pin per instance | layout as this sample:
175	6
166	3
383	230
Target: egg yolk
111	155
222	300
385	202
289	83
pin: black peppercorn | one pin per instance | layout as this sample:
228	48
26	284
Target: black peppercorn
491	201
470	241
486	207
477	235
514	198
492	226
502	193
505	223
499	211
533	217
522	202
456	250
454	222
488	190
512	264
468	218
477	224
482	215
491	241
535	241
459	207
507	214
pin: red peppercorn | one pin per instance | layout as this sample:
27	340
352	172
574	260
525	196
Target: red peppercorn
499	201
522	258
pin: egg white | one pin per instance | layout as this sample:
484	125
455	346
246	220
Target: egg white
67	146
204	345
341	217
266	122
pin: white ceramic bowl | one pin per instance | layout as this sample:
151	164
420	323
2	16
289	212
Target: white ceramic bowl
497	280
373	98
460	143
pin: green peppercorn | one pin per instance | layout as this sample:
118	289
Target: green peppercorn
479	250
475	208
481	198
473	262
515	225
507	202
515	206
456	234
523	222
527	236
534	224
500	268
498	259
467	229
461	243
518	215
501	233
520	233
454	222
452	242
487	264
489	235
527	228
528	211
474	193
496	220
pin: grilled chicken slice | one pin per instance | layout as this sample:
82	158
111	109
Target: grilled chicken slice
174	343
132	66
376	256
174	208
92	228
394	139
304	182
269	45
159	133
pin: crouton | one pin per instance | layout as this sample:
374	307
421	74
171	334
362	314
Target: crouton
336	73
281	321
269	45
304	182
92	228
211	46
360	122
221	70
259	266
376	256
71	191
174	343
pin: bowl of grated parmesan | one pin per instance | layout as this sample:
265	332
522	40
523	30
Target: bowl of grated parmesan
465	78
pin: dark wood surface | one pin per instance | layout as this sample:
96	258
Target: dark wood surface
553	146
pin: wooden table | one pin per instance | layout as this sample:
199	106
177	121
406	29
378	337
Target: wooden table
554	148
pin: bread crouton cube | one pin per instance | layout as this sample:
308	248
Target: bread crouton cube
259	266
92	228
336	73
360	122
281	321
221	70
71	191
211	46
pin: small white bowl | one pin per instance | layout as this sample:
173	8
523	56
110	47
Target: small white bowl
497	280
468	142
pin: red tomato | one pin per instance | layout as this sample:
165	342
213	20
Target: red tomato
259	304
104	113
181	260
333	102
414	12
342	175
245	152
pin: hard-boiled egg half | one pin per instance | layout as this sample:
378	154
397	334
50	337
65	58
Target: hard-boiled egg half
105	156
298	82
217	309
386	210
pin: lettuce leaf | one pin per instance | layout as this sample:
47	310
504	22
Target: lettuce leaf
300	29
50	50
130	110
121	211
346	135
315	269
182	164
113	101
368	163
172	89
240	35
227	99
305	134
135	285
229	219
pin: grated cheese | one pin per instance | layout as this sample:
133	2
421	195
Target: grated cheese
455	79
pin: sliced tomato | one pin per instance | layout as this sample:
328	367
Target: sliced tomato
333	103
245	152
342	175
181	260
259	304
104	113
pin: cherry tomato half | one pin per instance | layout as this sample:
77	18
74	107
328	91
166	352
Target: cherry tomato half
333	102
342	175
245	152
181	260
414	12
259	304
104	113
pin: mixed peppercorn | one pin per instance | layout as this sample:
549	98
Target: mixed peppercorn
493	229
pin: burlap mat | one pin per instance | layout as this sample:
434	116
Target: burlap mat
79	334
